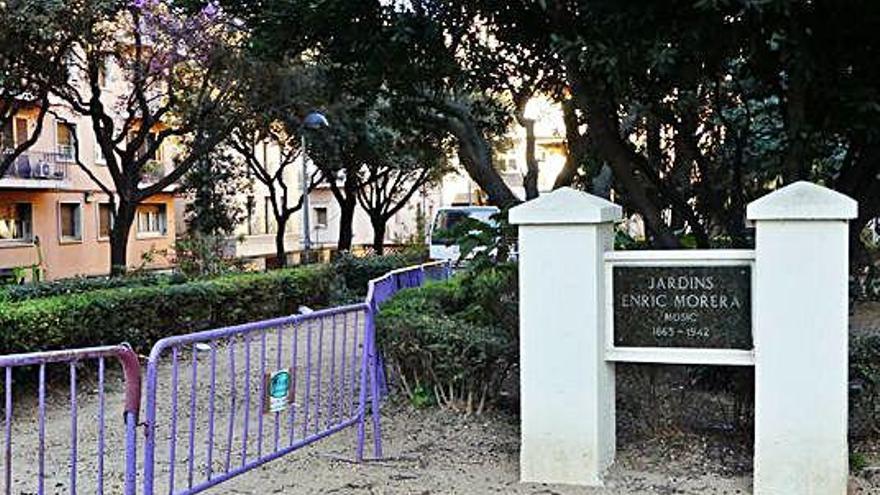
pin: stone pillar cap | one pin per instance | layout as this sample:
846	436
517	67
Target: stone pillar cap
565	206
803	201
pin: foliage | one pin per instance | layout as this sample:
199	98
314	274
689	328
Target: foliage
213	187
177	72
199	255
35	40
438	338
142	314
864	376
77	285
354	273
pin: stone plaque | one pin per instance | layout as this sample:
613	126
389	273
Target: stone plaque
683	306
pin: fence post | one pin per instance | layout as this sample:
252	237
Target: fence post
801	340
567	387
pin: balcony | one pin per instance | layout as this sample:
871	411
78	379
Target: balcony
37	170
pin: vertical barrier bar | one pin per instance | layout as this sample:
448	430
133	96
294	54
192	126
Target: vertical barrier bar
101	425
354	359
230	429
247	397
291	419
331	397
73	428
262	401
370	331
131	452
8	435
318	375
211	391
306	404
193	390
343	382
279	344
172	440
42	448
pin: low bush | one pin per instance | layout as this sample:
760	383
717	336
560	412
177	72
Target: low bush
354	273
142	314
76	285
864	393
453	342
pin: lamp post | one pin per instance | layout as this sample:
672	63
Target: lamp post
314	121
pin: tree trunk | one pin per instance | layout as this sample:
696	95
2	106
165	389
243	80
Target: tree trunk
280	252
475	153
378	235
346	222
530	181
606	140
576	144
119	235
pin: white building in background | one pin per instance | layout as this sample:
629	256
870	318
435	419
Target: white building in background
255	237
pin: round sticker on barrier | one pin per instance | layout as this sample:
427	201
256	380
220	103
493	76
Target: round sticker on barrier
278	384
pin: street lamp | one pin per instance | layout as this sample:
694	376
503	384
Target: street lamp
313	121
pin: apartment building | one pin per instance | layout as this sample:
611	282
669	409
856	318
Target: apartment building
54	220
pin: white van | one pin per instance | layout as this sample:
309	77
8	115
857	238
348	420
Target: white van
447	217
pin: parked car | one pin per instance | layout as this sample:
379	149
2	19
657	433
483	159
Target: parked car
443	245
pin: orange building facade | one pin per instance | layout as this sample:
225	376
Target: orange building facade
55	220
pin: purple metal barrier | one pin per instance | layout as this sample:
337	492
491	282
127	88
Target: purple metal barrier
328	358
17	466
385	287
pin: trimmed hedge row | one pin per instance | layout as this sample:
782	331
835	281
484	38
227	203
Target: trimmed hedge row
142	315
447	345
142	309
76	285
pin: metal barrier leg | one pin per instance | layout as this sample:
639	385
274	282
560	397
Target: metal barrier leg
130	453
374	372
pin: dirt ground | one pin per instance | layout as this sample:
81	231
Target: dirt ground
427	451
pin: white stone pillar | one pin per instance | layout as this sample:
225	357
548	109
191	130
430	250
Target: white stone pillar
566	386
801	340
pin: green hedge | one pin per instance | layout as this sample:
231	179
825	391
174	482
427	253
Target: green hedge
354	273
445	344
142	315
77	285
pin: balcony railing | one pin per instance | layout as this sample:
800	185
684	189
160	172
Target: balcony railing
37	165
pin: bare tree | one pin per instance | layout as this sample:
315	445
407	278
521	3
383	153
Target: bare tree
247	140
175	86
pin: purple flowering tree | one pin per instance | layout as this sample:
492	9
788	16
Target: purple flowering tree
152	76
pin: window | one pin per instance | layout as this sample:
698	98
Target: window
152	220
105	220
321	216
70	220
65	140
15	222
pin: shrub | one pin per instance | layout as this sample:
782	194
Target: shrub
354	273
440	338
864	394
141	315
76	285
